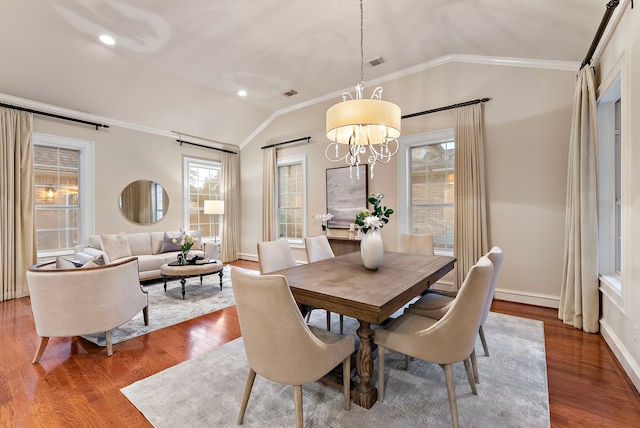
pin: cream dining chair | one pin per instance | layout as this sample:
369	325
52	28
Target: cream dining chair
318	248
277	255
434	305
446	341
279	345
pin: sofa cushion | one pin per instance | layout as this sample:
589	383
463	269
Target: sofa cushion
139	243
150	262
116	246
167	242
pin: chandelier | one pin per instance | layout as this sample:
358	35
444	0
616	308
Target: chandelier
356	123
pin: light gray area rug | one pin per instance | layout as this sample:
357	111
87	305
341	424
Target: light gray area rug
168	308
206	391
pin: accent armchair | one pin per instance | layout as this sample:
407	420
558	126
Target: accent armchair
75	302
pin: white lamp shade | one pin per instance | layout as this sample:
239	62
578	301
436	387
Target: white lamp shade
363	121
214	207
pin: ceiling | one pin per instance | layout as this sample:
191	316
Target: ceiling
179	64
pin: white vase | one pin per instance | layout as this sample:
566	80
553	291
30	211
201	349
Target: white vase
371	249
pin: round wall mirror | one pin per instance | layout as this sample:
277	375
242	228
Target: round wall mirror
144	202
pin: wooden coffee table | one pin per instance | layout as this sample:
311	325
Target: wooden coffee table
176	270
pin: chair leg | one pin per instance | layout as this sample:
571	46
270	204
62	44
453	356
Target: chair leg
109	344
451	391
380	373
484	342
297	396
341	323
247	392
328	321
474	365
406	362
308	316
346	381
470	378
145	314
40	350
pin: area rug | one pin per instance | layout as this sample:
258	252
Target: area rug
169	308
206	391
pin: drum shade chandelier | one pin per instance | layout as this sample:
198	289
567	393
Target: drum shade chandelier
359	122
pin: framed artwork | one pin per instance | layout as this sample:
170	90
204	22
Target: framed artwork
346	196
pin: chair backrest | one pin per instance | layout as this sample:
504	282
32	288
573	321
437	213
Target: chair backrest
495	255
419	244
317	248
457	330
275	255
278	343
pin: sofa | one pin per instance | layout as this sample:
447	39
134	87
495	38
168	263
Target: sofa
153	249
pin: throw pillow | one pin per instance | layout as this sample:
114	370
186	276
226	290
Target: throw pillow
116	246
62	263
196	234
168	245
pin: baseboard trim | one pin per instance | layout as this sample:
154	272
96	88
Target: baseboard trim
537	299
249	257
630	366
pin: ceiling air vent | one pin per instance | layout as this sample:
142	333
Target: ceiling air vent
376	61
290	93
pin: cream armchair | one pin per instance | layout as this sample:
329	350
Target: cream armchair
75	302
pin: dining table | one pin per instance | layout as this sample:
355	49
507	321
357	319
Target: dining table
343	285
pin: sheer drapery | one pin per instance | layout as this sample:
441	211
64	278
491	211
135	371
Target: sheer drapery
18	248
470	233
269	194
230	186
579	299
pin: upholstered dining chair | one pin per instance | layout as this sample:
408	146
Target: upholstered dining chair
276	255
279	345
434	305
446	341
419	244
318	248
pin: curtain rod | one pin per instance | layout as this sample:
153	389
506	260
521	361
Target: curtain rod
603	25
287	142
435	110
57	116
206	147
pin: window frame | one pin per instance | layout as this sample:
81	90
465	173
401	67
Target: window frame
406	144
212	222
286	161
86	186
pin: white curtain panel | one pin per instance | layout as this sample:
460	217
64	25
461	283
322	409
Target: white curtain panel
18	248
579	300
470	233
269	194
230	186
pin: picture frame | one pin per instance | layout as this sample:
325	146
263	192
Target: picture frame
346	195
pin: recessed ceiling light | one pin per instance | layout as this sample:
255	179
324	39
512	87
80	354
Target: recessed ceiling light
107	40
242	93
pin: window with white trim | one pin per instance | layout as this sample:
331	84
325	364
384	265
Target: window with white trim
63	193
291	199
202	183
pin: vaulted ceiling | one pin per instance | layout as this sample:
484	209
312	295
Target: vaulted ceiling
178	65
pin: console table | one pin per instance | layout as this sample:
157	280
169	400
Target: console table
343	245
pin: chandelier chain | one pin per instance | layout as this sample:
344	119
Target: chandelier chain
361	43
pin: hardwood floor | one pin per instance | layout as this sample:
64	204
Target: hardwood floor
76	384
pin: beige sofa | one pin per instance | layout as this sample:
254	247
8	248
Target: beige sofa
153	249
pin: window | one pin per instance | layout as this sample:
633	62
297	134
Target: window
610	196
291	199
63	193
202	183
427	187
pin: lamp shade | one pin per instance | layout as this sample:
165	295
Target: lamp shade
363	122
214	207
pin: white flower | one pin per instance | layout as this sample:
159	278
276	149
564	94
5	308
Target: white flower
372	222
324	217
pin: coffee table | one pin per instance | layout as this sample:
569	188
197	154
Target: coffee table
176	270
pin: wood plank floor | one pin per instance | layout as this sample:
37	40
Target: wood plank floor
76	384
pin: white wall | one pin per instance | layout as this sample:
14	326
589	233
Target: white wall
618	321
527	126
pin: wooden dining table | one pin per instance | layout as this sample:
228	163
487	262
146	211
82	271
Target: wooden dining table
343	285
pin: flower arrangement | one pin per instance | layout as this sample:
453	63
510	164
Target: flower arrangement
186	243
375	219
325	218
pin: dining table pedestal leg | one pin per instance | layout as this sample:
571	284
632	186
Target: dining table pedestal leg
365	394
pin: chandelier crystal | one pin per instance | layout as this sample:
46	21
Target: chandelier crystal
359	122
